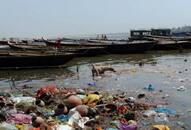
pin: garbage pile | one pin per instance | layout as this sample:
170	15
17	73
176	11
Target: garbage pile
52	108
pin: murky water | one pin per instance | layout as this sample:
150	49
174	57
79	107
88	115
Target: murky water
166	71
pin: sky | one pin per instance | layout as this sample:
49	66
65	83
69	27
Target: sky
57	18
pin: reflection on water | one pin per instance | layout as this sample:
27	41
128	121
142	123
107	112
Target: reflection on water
25	74
33	77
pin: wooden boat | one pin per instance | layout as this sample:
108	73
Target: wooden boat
84	43
3	42
96	47
164	39
87	51
32	60
125	46
62	43
4	47
26	47
130	47
171	43
81	43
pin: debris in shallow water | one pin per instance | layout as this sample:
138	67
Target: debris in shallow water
93	84
182	80
150	88
165	96
141	95
181	88
167	111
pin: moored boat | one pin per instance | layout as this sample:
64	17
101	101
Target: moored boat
26	47
32	60
164	39
172	45
125	46
110	46
3	42
130	47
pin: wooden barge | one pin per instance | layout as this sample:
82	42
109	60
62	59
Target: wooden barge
32	60
3	42
27	47
97	47
164	39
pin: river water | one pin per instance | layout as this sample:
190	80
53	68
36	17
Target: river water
166	71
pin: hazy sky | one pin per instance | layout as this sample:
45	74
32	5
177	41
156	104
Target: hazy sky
50	18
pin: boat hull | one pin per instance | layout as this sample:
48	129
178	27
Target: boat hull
3	42
115	49
87	48
33	61
173	46
28	47
130	48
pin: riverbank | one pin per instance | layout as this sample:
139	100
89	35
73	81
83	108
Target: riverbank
166	72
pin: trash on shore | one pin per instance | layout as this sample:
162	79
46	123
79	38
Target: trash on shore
71	108
160	127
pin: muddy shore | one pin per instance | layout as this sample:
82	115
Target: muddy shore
165	72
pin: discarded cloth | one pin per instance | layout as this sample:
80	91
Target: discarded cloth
91	99
51	89
161	127
19	118
128	127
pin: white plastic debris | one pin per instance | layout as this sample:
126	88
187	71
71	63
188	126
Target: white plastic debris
28	100
181	80
76	119
6	126
181	88
64	127
131	99
161	117
149	113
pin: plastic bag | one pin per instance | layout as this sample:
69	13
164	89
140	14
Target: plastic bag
6	126
24	100
167	111
65	127
63	118
76	119
149	113
161	117
93	84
